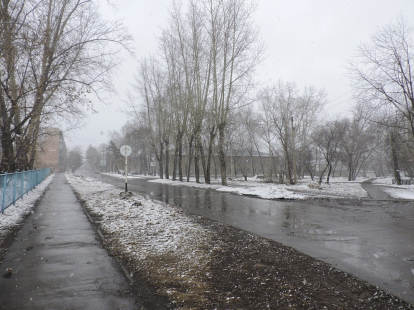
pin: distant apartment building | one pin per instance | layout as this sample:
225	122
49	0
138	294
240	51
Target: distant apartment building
52	150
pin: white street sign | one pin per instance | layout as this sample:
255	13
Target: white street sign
126	150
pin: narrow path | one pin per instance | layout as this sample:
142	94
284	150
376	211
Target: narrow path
58	260
374	192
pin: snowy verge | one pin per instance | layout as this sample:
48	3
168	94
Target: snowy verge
396	191
402	192
160	241
304	189
334	189
262	191
15	214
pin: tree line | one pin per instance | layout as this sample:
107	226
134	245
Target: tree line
196	96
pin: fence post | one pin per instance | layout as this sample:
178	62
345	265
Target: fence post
26	178
14	187
21	184
30	179
4	192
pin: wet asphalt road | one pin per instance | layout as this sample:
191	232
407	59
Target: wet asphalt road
372	238
59	262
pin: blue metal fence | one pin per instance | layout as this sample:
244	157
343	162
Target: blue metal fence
14	185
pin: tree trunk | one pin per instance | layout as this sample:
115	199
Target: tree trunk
207	172
167	159
22	152
175	162
197	160
197	165
350	167
160	160
222	156
289	168
180	158
190	157
394	158
7	159
329	173
322	173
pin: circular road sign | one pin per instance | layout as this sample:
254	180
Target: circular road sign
126	150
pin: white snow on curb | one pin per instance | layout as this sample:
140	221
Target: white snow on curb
263	191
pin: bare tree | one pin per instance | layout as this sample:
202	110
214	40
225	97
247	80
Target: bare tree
93	157
154	114
288	115
360	139
60	51
75	158
382	71
235	51
328	138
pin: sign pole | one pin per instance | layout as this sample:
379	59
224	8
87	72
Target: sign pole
126	151
126	174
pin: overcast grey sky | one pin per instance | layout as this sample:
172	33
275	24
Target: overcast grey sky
308	42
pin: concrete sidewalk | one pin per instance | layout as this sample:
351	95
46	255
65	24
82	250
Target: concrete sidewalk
59	262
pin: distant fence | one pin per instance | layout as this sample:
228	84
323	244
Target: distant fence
14	185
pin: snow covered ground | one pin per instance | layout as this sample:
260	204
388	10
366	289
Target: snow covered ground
396	191
159	238
15	214
339	187
304	189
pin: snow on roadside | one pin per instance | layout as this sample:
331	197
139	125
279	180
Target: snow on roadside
15	214
192	183
130	176
159	239
263	191
306	188
334	189
406	192
396	191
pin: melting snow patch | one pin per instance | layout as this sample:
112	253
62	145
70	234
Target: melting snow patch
264	191
402	192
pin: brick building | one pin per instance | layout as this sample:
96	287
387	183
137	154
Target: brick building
52	150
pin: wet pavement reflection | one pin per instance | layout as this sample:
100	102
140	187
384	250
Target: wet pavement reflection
371	239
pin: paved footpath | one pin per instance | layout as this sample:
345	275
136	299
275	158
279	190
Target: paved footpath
59	262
